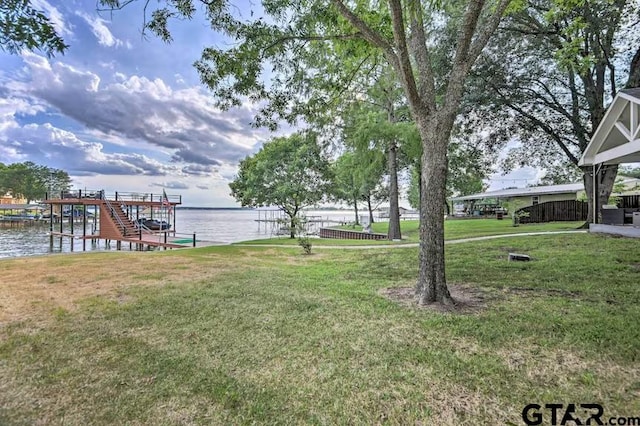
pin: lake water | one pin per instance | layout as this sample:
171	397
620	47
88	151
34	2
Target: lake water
221	226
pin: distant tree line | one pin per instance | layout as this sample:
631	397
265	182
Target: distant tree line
32	181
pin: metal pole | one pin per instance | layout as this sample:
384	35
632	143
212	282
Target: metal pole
194	239
73	217
595	202
84	227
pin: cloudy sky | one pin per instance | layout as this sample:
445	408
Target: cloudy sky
127	113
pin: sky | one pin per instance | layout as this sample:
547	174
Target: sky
123	112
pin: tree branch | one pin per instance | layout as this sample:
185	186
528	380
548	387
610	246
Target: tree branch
488	29
404	67
548	130
418	45
367	32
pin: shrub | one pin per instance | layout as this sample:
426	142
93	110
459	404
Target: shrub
305	243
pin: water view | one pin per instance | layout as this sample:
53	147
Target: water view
220	226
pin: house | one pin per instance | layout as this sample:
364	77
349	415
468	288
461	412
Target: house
616	141
10	199
487	203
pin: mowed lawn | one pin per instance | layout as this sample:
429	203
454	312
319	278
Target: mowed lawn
454	229
244	335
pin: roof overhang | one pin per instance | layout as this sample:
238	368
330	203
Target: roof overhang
617	138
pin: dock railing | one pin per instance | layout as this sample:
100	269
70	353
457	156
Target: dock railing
114	216
186	238
144	197
114	196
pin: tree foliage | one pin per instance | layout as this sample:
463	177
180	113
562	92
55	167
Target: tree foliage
380	120
24	27
358	178
548	76
32	181
288	172
298	56
633	172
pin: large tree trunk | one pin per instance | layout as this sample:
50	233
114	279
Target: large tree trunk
604	180
394	208
432	286
634	71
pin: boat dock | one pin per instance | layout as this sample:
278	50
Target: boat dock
278	222
118	218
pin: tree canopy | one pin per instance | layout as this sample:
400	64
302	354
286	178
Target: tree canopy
294	57
31	181
288	172
547	78
357	178
24	27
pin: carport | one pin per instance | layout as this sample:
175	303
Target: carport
615	141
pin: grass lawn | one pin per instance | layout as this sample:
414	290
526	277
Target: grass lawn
454	229
240	335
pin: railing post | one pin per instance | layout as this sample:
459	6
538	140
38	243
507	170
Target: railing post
116	195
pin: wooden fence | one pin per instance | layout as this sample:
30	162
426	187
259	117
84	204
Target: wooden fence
629	202
554	211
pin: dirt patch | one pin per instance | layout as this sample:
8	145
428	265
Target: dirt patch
468	300
32	288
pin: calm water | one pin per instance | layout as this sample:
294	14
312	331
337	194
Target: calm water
222	226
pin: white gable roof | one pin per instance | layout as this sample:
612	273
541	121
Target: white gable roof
617	138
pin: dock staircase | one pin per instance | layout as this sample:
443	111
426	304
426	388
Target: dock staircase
117	222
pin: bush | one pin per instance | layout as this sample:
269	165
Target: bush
305	243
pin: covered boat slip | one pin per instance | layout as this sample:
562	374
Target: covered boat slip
615	141
119	218
19	214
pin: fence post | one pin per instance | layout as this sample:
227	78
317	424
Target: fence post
194	239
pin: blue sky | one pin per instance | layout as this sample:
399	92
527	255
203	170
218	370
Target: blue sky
127	113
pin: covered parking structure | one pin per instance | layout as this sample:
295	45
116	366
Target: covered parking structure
615	141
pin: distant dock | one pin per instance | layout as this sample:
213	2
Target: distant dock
279	222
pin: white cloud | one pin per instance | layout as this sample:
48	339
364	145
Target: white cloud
62	27
183	124
171	185
101	31
47	144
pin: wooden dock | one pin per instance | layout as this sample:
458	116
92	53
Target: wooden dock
117	218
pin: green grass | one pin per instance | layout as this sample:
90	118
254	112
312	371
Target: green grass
454	229
283	338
